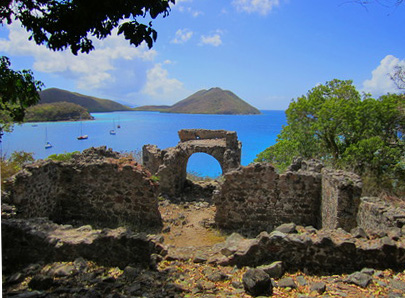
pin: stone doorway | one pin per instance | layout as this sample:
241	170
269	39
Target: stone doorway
170	164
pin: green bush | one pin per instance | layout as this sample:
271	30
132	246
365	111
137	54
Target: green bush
62	156
334	123
13	164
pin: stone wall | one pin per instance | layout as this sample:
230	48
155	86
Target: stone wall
255	198
377	216
170	164
90	189
230	137
341	193
316	252
34	240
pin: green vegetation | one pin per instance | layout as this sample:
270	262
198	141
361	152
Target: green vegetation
334	123
58	111
91	104
50	22
213	101
62	156
18	91
155	178
13	164
196	176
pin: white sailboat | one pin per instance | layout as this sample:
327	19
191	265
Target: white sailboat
48	145
82	136
112	131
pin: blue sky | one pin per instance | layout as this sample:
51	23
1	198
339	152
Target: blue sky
265	51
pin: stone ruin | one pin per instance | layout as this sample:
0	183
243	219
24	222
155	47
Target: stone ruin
100	188
92	206
170	164
97	187
256	198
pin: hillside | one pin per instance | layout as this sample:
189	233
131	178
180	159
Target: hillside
57	111
92	104
212	101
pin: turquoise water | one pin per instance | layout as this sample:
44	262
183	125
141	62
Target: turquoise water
256	132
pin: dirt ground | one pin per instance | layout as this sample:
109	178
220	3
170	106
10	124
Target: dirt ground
189	231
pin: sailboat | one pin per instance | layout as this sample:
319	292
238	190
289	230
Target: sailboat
118	126
48	145
112	131
82	136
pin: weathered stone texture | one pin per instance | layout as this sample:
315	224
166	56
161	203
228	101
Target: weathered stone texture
170	165
341	193
376	216
90	189
322	252
255	198
27	241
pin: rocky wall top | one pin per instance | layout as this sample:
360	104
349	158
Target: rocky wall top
203	134
377	216
96	187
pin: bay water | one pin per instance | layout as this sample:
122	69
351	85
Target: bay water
256	132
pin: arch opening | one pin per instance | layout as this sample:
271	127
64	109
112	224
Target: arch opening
202	165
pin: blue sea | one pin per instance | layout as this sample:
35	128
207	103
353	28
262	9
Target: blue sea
256	132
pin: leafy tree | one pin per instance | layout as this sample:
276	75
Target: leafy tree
58	111
333	122
72	23
18	90
398	76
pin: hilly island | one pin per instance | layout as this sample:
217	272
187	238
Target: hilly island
62	105
212	101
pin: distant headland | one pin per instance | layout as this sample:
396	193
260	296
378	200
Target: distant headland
212	101
62	105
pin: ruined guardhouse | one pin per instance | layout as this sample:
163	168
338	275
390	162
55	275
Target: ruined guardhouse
170	164
55	199
256	198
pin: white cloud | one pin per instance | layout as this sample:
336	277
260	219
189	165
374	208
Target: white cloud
182	36
380	82
213	40
187	9
161	88
262	7
89	71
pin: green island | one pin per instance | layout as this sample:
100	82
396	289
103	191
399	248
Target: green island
90	103
58	111
212	101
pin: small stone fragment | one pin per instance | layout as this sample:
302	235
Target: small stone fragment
256	282
287	228
287	282
301	280
319	287
358	278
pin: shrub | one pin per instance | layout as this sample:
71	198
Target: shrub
13	164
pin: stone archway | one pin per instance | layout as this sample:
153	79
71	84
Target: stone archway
203	165
170	164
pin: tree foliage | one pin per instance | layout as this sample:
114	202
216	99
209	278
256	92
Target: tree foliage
72	23
13	164
334	123
58	111
398	76
18	91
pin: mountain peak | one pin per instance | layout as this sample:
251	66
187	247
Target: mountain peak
211	101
